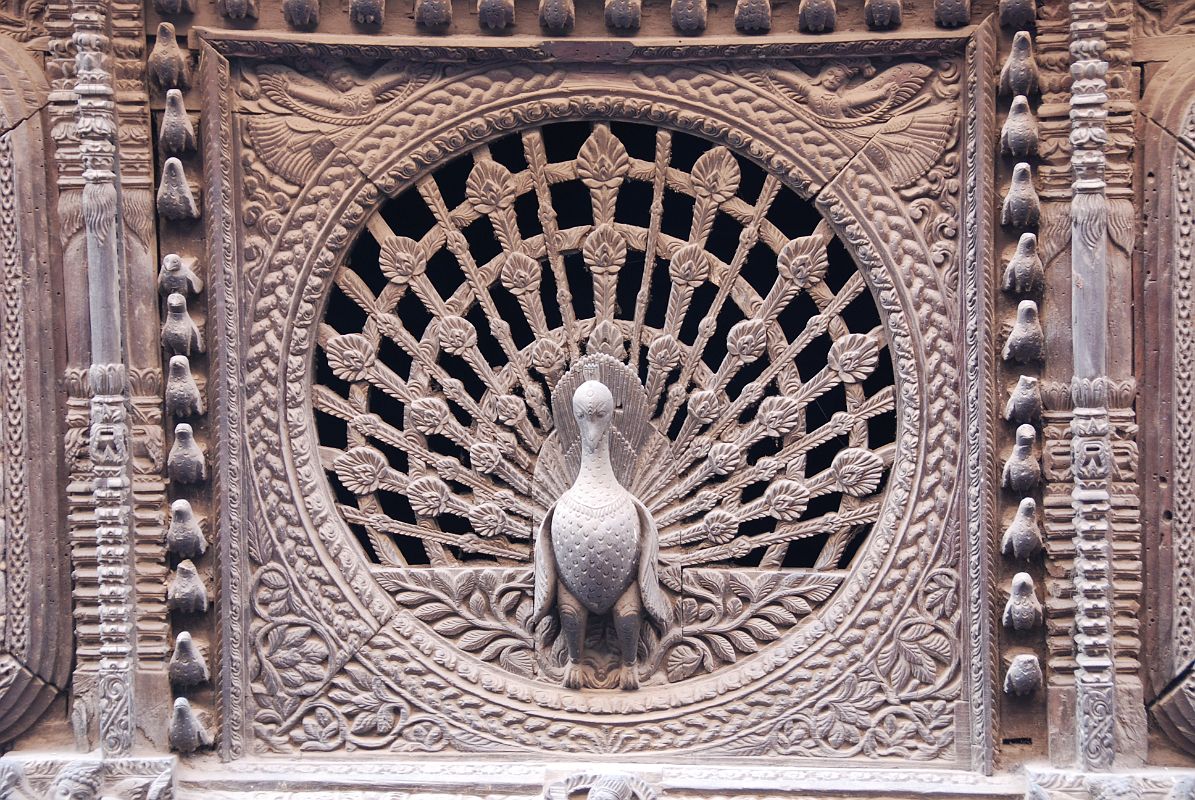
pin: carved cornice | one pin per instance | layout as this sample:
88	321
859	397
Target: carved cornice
268	45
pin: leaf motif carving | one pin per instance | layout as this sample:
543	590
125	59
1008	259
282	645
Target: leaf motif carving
350	356
402	259
716	175
605	250
602	162
490	187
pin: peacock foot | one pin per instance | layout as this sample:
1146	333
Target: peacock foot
573	676
628	677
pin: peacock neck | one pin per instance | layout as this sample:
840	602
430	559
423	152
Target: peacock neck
595	465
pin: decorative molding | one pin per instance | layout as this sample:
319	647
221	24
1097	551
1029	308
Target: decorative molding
35	637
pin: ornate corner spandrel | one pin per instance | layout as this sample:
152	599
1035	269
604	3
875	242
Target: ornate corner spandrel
396	558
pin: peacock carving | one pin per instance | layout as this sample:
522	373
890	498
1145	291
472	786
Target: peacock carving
596	549
608	405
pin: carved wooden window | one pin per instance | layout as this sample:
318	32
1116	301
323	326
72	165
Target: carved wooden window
756	416
407	297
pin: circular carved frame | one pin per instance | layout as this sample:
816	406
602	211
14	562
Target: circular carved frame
904	576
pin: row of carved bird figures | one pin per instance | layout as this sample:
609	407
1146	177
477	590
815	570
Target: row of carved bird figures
186	463
1024	278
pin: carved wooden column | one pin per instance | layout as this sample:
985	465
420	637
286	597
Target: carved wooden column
108	382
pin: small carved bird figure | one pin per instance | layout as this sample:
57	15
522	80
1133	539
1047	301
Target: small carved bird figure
167	62
1022	539
1019	75
176	276
597	548
237	9
1019	135
1026	340
1024	675
182	393
1022	472
1024	401
882	14
1018	14
1024	273
301	13
187	732
177	134
1022	612
1021	209
817	16
186	463
180	335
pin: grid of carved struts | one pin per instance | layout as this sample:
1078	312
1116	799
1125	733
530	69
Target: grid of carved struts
755	406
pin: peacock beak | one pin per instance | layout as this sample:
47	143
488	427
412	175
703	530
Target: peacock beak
591	435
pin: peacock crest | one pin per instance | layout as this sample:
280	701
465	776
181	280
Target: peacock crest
754	399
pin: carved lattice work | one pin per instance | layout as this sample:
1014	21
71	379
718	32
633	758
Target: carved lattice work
764	416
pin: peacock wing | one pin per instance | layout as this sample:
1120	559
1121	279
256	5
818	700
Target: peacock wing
653	597
890	89
545	569
906	147
286	146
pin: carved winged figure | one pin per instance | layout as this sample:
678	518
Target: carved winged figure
597	548
840	106
315	116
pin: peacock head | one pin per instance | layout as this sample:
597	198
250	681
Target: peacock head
593	405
